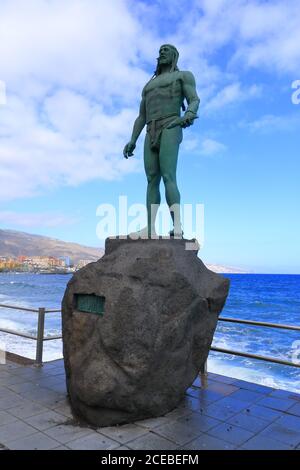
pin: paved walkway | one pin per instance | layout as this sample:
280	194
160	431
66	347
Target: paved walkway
227	414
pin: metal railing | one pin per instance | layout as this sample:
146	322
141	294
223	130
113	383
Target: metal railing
273	360
40	336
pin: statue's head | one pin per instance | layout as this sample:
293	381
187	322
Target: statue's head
168	55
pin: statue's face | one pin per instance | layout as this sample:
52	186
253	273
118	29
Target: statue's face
166	55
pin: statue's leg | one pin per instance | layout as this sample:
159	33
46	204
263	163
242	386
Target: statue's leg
168	156
151	163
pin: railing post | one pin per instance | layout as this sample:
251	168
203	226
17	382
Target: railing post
203	375
40	338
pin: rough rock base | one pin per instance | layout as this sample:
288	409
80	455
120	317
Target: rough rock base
161	306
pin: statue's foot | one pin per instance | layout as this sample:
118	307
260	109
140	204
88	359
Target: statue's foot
144	233
176	233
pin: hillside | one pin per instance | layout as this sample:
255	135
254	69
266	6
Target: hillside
14	243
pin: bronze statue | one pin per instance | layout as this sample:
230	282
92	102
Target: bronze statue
162	100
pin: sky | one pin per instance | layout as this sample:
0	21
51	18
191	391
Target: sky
71	76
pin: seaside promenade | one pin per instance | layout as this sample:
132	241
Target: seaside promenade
223	414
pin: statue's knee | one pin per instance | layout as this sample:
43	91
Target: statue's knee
167	178
153	178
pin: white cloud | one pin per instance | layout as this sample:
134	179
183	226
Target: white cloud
2	93
232	94
207	147
74	71
270	123
212	147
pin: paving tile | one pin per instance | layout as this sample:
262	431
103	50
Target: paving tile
199	422
59	387
152	442
230	433
222	388
197	382
206	442
93	441
11	401
221	378
56	371
37	441
24	387
177	432
225	408
247	421
253	386
123	434
203	395
152	423
12	379
295	409
248	396
15	430
27	409
50	366
64	408
263	443
48	382
178	413
4	374
28	373
122	448
65	433
190	403
61	448
8	366
6	418
282	434
262	412
218	412
276	403
46	420
285	394
290	422
44	397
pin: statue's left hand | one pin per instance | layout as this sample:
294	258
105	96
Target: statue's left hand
184	121
188	119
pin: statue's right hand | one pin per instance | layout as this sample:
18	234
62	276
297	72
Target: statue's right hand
128	149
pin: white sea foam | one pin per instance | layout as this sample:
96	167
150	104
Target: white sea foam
251	371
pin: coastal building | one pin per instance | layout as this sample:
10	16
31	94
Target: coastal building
82	263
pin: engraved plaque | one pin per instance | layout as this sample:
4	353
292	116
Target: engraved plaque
90	303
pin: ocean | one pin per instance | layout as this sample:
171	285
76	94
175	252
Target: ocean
261	297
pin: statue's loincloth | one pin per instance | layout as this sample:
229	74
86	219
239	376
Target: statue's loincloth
155	128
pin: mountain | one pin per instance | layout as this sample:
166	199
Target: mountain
14	243
218	268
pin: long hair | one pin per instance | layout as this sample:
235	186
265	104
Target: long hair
174	61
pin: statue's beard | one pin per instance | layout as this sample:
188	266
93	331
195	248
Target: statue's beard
162	62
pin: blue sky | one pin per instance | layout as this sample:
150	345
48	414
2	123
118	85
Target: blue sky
74	71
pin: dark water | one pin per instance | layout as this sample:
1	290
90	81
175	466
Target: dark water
271	298
261	297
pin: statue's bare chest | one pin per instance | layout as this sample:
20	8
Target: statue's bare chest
162	83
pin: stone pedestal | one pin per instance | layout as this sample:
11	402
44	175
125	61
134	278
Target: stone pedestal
137	327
